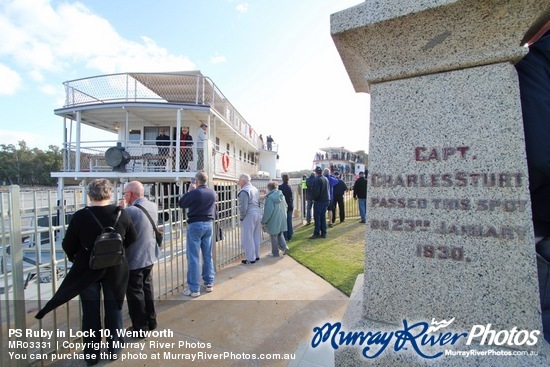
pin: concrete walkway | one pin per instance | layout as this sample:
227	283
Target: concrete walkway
255	314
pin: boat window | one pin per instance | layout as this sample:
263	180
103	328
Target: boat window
134	136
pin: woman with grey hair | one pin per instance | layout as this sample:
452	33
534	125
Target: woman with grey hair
88	283
250	215
274	219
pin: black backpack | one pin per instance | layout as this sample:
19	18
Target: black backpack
108	248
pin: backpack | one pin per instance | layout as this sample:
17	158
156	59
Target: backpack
108	248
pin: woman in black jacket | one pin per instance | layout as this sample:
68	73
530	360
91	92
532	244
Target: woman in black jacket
81	280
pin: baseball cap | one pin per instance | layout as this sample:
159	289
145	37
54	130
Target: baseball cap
318	169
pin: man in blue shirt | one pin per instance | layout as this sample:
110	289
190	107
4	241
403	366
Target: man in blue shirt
200	200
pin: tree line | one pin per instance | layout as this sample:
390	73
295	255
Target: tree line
20	165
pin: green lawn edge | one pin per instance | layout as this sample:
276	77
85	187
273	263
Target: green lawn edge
338	259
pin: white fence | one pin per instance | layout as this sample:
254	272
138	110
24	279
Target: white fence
33	265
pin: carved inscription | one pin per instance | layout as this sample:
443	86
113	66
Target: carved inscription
449	204
452	230
439	153
459	179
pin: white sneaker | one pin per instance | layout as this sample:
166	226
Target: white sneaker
209	287
188	292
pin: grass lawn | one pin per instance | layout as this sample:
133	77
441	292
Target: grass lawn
338	259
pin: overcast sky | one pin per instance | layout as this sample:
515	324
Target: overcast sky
274	60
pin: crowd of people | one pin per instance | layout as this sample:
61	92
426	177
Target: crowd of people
133	219
324	192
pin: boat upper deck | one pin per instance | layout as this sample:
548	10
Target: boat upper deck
137	107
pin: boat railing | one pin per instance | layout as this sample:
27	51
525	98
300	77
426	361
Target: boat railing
145	156
175	88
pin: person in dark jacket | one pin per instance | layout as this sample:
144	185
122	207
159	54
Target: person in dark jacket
163	142
321	199
338	198
81	280
534	83
309	184
287	192
332	182
360	194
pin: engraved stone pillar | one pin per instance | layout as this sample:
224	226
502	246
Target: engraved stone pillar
449	231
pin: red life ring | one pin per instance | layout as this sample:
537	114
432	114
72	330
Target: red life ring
225	162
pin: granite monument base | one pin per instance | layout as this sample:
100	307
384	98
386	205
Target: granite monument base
459	355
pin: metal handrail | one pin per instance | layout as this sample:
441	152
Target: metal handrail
188	88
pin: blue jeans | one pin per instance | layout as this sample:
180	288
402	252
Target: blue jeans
308	210
289	230
199	238
362	209
320	217
91	318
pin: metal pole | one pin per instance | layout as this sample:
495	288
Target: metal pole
178	142
65	151
77	152
19	311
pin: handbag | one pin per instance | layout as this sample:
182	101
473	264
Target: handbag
158	236
108	248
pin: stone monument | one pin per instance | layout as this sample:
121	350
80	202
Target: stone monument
449	243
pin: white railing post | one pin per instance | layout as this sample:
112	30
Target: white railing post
178	142
207	159
17	267
77	150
